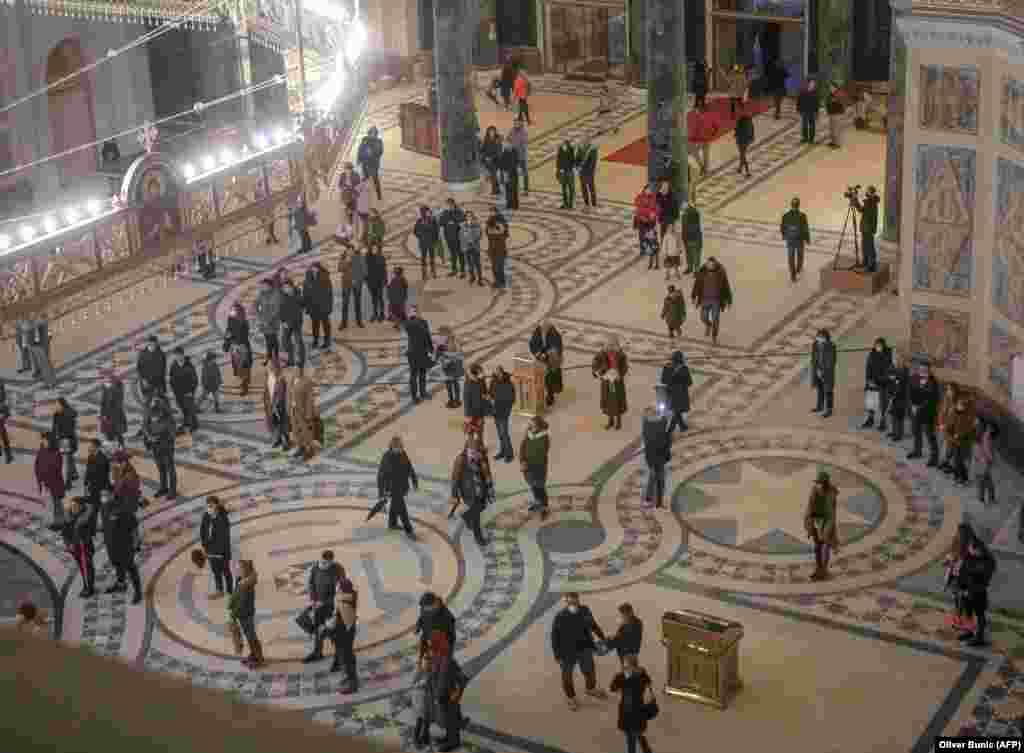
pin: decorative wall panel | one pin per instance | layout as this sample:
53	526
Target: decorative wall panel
894	138
240	190
280	175
1008	250
113	239
939	336
198	207
949	98
1003	346
944	186
1011	113
75	257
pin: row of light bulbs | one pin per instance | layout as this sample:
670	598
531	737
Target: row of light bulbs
261	142
57	221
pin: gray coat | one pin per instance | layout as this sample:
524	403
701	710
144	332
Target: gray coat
470	236
358	270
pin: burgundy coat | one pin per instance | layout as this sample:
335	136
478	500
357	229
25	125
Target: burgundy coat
50	471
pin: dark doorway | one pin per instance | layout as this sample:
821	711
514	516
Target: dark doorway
872	24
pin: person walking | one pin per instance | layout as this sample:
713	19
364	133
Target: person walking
510	171
521	91
472	486
120	535
610	365
398	296
215	538
97	473
268	311
322	588
160	439
534	451
519	139
243	611
450	222
629	638
395	476
503	398
820	523
807	105
376	281
693	239
238	344
452	360
490	154
419	352
586	162
79	534
676	378
744	136
346	605
353	274
211	381
925	394
823	372
113	420
977	567
565	172
64	428
447	682
497	246
369	154
796	232
572	643
184	383
713	294
428	235
876	378
897	388
635	687
470	237
546	347
303	416
318	299
673	311
49	472
657	452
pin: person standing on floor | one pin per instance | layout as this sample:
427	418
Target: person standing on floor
291	325
521	91
79	536
5	413
395	476
807	105
519	139
572	642
961	432
243	610
184	383
215	538
49	471
398	296
151	366
376	281
876	378
796	232
452	360
533	459
635	685
353	269
160	434
428	234
693	239
676	378
39	349
322	587
834	109
371	150
419	352
211	381
346	604
470	238
700	84
823	372
925	395
65	430
450	222
318	298
897	388
629	638
472	486
447	683
673	311
490	153
434	615
97	473
509	163
503	397
113	423
657	453
610	365
668	210
120	535
303	416
363	208
238	344
984	458
275	406
376	229
947	405
744	136
565	172
645	215
868	208
820	523
506	83
301	221
22	339
977	567
712	294
546	347
268	310
474	398
497	246
586	164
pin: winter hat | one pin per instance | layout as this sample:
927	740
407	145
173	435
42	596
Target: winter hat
823	477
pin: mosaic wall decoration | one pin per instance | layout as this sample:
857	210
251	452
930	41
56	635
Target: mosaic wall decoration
198	207
944	184
949	98
241	189
1003	346
75	257
1011	114
113	239
1008	252
17	282
939	336
280	175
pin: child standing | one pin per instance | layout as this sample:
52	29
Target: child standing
673	311
211	382
398	295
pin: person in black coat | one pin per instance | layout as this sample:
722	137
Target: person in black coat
435	615
823	372
474	396
744	137
630	636
509	164
237	342
546	346
700	84
113	420
79	533
119	535
419	352
215	537
876	379
395	475
503	397
5	413
657	453
65	431
677	380
97	473
450	222
322	587
428	233
152	368
184	383
807	105
977	566
376	281
635	685
291	325
925	395
572	642
897	389
318	300
371	150
506	82
159	432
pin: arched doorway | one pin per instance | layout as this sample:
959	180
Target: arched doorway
72	122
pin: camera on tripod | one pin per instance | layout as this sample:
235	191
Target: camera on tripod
851	194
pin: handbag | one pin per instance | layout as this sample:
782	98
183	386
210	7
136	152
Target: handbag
649	709
306	622
871	400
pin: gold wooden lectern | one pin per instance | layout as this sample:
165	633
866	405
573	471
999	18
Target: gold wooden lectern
703	657
528	377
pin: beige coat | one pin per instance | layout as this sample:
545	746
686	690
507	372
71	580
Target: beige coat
302	411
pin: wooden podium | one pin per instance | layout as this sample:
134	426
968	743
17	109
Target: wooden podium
419	129
703	657
528	377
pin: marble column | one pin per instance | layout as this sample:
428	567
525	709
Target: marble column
893	196
636	54
666	92
453	33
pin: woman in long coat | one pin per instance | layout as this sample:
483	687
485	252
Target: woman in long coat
610	366
303	416
65	431
113	419
635	685
275	406
677	380
546	346
238	344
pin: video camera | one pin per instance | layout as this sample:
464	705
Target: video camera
852	193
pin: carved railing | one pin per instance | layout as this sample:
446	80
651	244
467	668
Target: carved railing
1012	9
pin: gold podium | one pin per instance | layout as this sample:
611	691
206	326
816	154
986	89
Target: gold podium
528	377
703	657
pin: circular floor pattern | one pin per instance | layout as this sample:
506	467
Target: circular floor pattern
389	571
21	581
570	537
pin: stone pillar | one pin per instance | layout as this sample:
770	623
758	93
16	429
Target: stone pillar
453	32
666	91
243	45
893	196
425	24
636	54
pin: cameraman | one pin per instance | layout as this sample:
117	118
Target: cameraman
868	209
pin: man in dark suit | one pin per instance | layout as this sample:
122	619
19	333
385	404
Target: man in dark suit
420	350
823	372
394	477
97	473
572	642
508	162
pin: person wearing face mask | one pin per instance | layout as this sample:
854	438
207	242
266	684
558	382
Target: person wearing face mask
924	408
823	372
572	642
322	587
395	475
634	684
820	523
113	423
712	293
472	486
876	374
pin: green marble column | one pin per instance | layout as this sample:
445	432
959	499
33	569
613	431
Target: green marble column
894	135
636	53
665	37
454	24
833	42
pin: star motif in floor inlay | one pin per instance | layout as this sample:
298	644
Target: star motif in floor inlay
766	508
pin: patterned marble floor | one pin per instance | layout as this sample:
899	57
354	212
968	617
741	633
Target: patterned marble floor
731	542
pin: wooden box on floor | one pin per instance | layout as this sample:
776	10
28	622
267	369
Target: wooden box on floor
528	377
703	657
839	276
419	129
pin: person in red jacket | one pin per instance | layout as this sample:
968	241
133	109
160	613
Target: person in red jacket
645	213
702	128
50	475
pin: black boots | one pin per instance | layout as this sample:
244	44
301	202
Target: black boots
421	735
869	420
